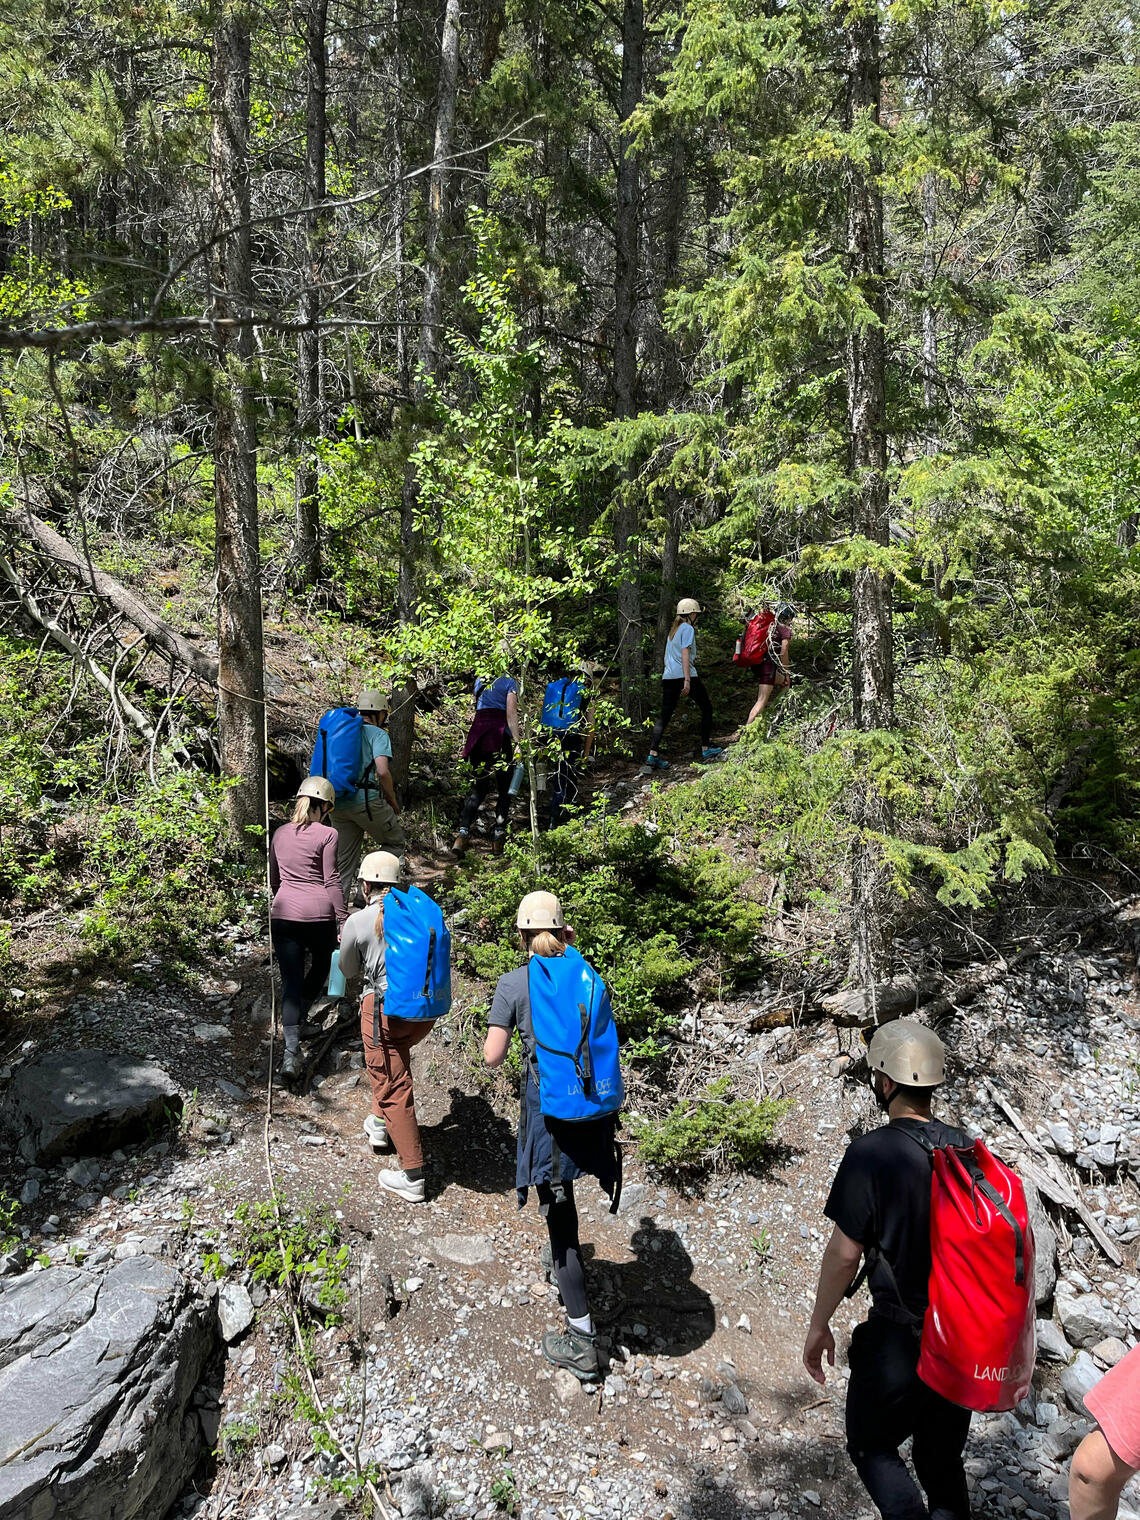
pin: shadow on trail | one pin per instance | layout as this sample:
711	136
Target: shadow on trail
471	1147
651	1304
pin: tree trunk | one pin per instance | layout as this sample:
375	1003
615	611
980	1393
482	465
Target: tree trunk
401	726
307	519
241	675
627	223
873	654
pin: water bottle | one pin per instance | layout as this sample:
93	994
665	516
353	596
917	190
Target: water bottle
337	984
517	779
739	649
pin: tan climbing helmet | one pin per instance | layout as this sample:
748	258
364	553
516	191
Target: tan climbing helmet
908	1052
540	910
687	606
372	701
380	866
318	788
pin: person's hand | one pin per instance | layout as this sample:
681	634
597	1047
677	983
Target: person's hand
685	689
569	932
818	1343
396	809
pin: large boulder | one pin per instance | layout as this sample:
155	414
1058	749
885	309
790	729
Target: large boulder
96	1378
1085	1318
73	1103
1045	1244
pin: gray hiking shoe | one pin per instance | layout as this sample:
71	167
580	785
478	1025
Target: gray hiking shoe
575	1351
291	1066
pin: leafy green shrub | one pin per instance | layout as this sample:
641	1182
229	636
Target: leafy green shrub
713	1131
648	922
308	1246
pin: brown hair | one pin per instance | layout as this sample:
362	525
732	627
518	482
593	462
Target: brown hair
543	941
307	810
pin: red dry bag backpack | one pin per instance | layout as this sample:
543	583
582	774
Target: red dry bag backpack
979	1335
752	649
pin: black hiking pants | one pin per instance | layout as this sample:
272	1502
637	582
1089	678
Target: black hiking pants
557	1203
564	788
670	696
294	942
887	1402
490	771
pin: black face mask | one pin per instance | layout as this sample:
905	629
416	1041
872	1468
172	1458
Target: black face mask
880	1098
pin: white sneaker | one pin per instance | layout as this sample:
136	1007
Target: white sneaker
410	1189
376	1133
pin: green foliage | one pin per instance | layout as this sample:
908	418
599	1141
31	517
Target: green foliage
649	923
505	1494
279	1243
237	1438
712	1132
9	1230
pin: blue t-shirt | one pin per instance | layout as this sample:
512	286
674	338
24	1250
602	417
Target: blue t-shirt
684	638
494	695
373	742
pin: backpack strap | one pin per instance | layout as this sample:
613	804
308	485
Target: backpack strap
430	960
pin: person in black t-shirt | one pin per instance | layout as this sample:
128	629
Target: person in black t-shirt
879	1205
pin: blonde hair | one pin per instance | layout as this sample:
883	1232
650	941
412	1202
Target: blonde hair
543	941
307	810
683	617
382	888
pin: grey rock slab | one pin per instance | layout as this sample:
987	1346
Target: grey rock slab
325	1509
74	1103
733	1400
1085	1318
1051	1343
1078	1379
235	1311
97	1374
1110	1351
464	1250
1045	1247
211	1033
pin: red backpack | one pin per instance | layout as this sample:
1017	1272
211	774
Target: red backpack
753	648
979	1334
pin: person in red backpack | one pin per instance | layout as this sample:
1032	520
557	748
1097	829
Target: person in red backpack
775	669
1109	1455
879	1206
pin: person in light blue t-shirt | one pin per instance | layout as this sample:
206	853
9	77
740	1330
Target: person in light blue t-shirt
372	809
680	679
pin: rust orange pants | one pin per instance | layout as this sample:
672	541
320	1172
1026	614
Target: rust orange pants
388	1046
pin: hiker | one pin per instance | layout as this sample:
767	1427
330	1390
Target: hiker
552	1153
567	715
372	808
490	747
307	908
681	680
880	1207
1109	1455
774	670
388	1040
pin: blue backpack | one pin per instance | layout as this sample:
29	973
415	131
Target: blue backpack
575	1055
417	956
561	704
336	754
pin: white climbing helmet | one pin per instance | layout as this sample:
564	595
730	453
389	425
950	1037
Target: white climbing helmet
908	1052
687	606
381	866
320	789
540	910
372	701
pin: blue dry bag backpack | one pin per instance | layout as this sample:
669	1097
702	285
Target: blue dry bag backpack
417	956
575	1039
561	705
336	754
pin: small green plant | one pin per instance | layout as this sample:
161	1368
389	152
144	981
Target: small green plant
237	1438
505	1493
307	1245
9	1231
712	1132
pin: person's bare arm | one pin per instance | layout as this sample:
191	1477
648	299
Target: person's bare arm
384	777
513	714
686	666
496	1045
836	1273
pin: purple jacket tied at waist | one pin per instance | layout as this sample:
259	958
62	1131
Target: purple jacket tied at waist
488	735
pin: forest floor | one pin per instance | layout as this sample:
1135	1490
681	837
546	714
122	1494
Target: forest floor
702	1294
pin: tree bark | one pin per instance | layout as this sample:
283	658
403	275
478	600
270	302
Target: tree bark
307	518
241	673
401	726
873	653
627	222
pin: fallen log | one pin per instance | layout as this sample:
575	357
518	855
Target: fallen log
22	523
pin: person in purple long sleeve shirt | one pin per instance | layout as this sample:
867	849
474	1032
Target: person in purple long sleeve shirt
307	909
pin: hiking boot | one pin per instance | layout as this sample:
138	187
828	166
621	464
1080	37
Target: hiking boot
497	844
460	843
376	1132
657	763
712	753
291	1066
575	1351
410	1189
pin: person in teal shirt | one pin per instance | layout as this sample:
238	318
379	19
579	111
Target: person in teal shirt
372	810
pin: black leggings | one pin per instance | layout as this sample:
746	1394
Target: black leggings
566	1249
564	788
293	940
886	1403
485	776
670	696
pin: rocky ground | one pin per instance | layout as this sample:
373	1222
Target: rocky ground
434	1373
